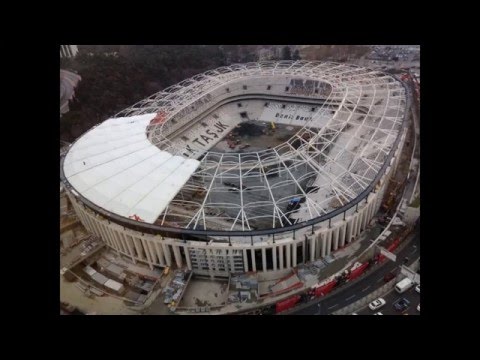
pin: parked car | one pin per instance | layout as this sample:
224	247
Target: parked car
377	304
378	313
401	305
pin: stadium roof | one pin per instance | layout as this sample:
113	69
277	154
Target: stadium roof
119	166
118	169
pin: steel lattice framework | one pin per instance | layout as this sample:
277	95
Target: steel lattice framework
325	167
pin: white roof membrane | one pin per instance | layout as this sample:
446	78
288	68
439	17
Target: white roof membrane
116	167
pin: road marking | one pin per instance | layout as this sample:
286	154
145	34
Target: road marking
331	307
366	288
351	297
379	280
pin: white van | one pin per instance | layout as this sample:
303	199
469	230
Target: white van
403	285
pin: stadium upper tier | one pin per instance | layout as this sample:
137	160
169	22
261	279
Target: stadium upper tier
159	161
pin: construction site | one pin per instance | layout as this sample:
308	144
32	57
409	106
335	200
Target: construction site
234	190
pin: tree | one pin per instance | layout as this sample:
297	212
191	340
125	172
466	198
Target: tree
296	55
286	53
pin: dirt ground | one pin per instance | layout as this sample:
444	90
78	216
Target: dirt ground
103	305
202	292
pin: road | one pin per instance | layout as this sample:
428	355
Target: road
68	82
388	309
370	282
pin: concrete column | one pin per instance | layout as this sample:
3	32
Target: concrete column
153	255
324	244
359	222
116	243
96	231
303	251
289	257
367	212
361	218
225	259
274	257
111	235
121	238
177	255
294	254
365	216
104	235
118	239
82	218
349	230
122	242
318	246
232	263
372	208
214	257
329	242
254	265
85	220
140	254
264	259
187	258
167	253
245	260
212	265
342	233
354	228
147	254
312	248
280	255
161	258
130	248
335	238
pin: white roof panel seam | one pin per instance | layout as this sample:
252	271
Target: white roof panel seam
116	167
163	183
115	171
140	178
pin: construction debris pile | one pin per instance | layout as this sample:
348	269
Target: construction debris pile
113	275
311	270
90	244
173	291
244	288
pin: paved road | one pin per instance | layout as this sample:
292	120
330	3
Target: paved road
388	309
68	81
370	282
